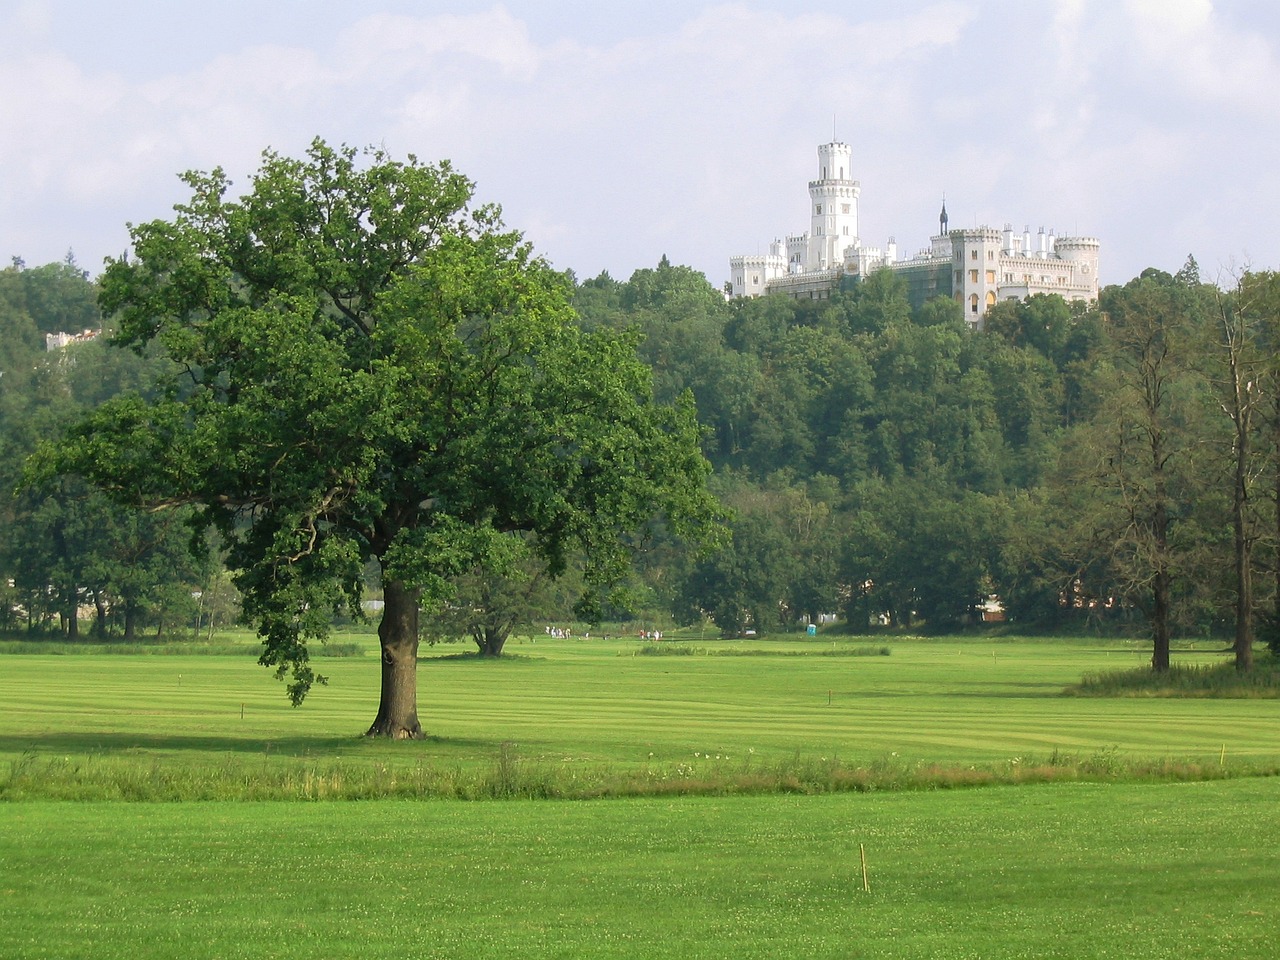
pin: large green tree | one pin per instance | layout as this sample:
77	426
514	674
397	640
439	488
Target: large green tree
1133	472
367	367
1248	381
1239	360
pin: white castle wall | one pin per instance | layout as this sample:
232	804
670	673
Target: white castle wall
987	265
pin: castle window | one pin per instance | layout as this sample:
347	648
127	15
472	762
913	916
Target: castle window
973	276
991	276
991	254
973	254
973	303
818	209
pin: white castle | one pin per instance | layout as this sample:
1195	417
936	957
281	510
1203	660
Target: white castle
977	267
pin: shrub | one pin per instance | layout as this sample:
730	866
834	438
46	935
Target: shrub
1217	680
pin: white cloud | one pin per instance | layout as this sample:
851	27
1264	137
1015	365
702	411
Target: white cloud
1182	44
692	137
54	117
385	44
1172	17
32	18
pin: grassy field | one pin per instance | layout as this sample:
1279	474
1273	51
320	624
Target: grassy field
1070	871
570	702
1131	865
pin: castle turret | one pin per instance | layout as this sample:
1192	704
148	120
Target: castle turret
797	252
1082	253
834	214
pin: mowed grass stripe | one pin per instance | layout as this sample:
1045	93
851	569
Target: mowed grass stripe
857	722
932	702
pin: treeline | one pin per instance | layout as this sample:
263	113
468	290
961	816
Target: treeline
1115	466
1073	467
66	549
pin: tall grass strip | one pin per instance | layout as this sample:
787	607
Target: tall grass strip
1184	680
508	774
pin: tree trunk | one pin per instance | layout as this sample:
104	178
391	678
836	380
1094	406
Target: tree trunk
100	616
398	636
1240	411
1160	623
1162	587
1244	577
490	640
1274	639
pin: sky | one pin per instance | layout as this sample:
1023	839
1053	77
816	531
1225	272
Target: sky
613	134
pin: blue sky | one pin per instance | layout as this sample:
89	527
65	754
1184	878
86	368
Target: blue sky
615	133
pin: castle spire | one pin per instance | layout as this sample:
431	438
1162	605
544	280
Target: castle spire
942	217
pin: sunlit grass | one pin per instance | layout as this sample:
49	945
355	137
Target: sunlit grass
723	801
1066	871
587	718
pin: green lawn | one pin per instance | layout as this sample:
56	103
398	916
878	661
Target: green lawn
1069	869
575	701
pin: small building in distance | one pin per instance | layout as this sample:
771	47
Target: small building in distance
60	341
977	267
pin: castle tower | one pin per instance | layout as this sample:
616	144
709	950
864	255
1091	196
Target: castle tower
834	210
1082	254
976	261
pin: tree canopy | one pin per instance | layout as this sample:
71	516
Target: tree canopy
366	367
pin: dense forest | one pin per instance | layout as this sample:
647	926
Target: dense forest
65	548
1109	467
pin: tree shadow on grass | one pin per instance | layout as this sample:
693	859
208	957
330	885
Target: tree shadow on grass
125	744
